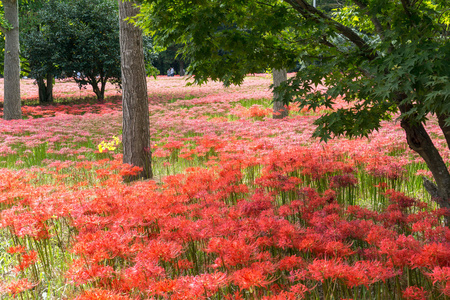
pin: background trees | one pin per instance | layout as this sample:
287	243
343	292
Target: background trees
75	38
382	57
42	54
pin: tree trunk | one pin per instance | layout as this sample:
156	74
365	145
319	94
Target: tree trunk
11	105
181	68
445	129
99	92
420	142
45	89
279	109
136	124
50	87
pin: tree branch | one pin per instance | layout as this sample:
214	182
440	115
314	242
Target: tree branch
325	42
406	5
378	27
310	12
430	187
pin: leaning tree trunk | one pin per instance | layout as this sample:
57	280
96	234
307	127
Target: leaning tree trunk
136	124
279	109
420	142
11	104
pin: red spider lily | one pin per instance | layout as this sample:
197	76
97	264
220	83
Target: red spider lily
16	249
99	294
173	145
212	282
342	181
368	272
198	287
128	170
414	293
81	271
446	289
16	287
26	260
232	252
322	269
385	167
24	222
159	250
283	295
299	290
361	213
235	296
381	185
255	111
440	275
248	278
291	262
400	252
138	277
355	229
400	199
433	255
361	273
296	275
102	245
254	208
338	249
184	264
163	288
378	233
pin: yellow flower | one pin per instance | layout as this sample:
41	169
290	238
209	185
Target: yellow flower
110	146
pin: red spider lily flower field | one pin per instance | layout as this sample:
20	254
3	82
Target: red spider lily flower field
242	206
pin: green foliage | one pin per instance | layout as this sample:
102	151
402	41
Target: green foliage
4	23
224	40
41	53
377	55
77	37
150	55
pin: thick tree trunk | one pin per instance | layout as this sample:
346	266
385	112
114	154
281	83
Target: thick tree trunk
445	129
279	109
11	105
45	89
419	141
136	124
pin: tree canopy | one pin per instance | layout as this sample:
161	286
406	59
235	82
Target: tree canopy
381	56
79	39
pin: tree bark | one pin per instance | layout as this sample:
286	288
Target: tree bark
45	89
420	142
445	129
11	106
279	109
136	124
181	68
99	92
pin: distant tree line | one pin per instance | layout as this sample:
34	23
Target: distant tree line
78	39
